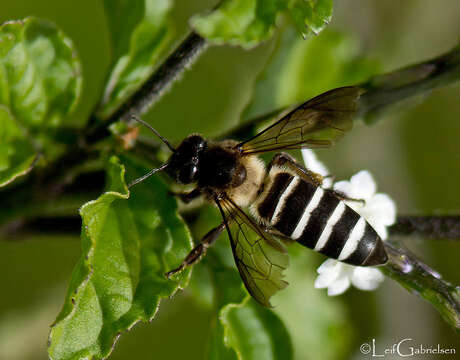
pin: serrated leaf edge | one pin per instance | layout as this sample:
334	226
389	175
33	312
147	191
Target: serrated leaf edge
222	313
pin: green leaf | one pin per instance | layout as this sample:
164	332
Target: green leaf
128	245
255	332
248	22
40	77
243	329
40	83
299	70
311	15
252	332
217	350
17	155
239	22
140	32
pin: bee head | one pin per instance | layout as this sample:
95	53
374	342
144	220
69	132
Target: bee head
184	163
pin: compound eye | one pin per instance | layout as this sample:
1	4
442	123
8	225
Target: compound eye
188	174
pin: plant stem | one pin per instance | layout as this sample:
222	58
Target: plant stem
438	227
418	278
154	87
383	91
394	87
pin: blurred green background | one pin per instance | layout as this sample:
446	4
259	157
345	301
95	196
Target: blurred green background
414	154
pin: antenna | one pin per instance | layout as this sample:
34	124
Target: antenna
168	144
150	173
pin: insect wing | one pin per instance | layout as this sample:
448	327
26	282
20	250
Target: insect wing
316	123
259	257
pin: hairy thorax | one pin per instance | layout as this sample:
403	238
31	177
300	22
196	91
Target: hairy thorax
244	194
224	170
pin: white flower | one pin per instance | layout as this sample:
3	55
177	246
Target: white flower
379	210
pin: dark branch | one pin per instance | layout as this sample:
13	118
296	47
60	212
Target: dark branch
384	91
420	279
394	87
20	229
154	87
438	227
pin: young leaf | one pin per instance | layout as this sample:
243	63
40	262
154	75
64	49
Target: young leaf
248	22
217	350
140	31
40	77
17	155
40	83
128	245
239	22
247	331
311	15
243	329
255	332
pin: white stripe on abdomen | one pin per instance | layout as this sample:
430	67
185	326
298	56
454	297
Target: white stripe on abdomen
353	240
307	212
279	207
333	219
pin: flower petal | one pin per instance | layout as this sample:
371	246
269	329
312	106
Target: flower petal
366	278
328	265
339	286
363	185
329	271
343	186
324	280
383	208
380	212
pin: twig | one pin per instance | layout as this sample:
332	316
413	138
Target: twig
418	278
385	90
19	229
394	87
154	87
438	227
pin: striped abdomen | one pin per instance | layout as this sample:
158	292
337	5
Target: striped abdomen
318	219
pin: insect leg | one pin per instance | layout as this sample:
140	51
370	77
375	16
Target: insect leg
283	159
343	196
286	240
199	250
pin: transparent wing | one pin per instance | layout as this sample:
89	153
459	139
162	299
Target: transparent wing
259	257
316	123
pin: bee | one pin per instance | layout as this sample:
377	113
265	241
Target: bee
285	200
